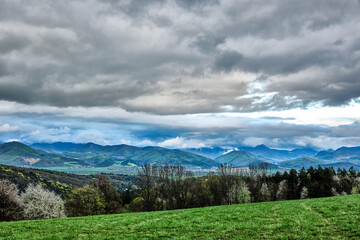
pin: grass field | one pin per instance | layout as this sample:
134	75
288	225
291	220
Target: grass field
325	218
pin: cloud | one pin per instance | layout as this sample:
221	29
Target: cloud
180	142
182	57
8	128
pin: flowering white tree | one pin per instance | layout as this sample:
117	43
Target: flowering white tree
40	203
304	193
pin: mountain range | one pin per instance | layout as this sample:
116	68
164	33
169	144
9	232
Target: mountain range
94	155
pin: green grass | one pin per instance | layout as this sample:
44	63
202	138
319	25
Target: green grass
325	218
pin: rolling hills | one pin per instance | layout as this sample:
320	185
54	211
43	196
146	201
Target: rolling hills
124	154
91	155
324	218
18	154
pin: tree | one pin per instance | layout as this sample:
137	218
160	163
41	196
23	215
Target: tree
356	188
282	192
304	193
264	193
244	195
11	206
111	195
84	201
147	182
40	203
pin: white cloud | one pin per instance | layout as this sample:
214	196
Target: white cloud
180	142
8	128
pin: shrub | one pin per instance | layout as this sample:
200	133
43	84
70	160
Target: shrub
84	201
40	203
10	203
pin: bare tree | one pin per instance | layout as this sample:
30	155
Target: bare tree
10	203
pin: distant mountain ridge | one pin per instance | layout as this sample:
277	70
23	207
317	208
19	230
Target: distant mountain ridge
132	154
95	155
241	159
19	154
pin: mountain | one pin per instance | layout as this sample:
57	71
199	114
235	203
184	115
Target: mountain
298	163
104	156
18	154
342	165
55	147
209	152
277	155
162	156
240	159
343	153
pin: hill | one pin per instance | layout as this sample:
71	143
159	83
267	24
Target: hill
56	181
18	154
324	218
298	163
343	154
279	155
162	156
239	159
123	154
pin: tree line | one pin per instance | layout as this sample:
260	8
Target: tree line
173	187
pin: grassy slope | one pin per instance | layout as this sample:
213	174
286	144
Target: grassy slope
330	218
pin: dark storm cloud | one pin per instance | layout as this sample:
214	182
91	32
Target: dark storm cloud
139	55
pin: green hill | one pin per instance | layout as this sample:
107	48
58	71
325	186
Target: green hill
18	154
104	156
298	163
324	218
239	159
162	156
59	182
342	153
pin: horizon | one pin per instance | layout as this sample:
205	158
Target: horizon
181	74
228	148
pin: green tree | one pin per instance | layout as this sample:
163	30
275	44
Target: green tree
111	195
84	201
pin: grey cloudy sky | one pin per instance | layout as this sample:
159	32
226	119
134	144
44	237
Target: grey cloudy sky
144	65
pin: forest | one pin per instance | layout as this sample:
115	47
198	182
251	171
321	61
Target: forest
174	187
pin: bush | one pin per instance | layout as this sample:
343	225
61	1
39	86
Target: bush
40	203
10	203
84	201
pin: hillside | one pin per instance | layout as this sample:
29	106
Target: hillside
279	155
18	154
343	154
104	156
239	159
324	218
56	181
162	156
298	163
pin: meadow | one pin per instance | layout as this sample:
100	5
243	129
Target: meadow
330	218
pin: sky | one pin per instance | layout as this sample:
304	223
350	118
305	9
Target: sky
181	73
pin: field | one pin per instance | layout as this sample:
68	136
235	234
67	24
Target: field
330	218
